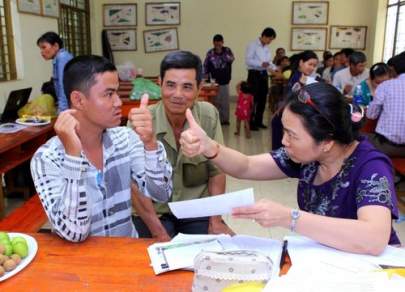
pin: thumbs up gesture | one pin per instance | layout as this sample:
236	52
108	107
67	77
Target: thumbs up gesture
194	140
141	121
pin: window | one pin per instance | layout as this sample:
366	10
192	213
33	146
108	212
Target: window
74	26
7	55
394	42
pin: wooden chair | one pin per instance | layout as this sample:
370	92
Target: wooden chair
29	217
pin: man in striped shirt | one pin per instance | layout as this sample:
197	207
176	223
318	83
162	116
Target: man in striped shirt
83	175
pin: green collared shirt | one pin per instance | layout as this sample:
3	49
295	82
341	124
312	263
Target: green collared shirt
190	175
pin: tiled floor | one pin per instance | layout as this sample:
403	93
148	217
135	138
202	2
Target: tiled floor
283	191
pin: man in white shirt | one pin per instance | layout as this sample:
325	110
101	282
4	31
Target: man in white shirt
347	79
258	61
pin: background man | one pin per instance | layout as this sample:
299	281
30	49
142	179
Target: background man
258	61
218	65
347	79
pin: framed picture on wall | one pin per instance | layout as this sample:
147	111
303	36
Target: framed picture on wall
29	6
348	37
50	8
122	39
307	12
308	38
167	13
120	14
158	40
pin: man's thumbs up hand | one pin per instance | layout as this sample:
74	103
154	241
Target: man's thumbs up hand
141	121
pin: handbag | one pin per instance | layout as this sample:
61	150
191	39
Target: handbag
214	271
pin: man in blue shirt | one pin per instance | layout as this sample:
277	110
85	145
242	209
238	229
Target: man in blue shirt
258	62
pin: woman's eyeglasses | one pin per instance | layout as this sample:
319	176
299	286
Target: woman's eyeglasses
304	97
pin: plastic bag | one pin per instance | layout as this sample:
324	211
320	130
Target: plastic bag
126	72
43	105
141	86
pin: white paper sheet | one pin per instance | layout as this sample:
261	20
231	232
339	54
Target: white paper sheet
213	205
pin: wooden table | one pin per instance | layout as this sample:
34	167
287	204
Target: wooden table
97	264
16	148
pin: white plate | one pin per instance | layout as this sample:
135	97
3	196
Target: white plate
22	122
32	250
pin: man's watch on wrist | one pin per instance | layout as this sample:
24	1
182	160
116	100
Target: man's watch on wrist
295	215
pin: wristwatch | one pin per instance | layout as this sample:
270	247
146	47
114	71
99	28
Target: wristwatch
295	215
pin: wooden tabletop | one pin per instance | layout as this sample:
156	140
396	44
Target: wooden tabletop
97	264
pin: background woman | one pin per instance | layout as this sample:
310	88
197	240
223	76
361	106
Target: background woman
51	46
379	72
346	194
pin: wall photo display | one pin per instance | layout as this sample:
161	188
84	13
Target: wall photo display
306	12
120	15
167	13
348	37
50	8
308	38
159	40
29	6
122	39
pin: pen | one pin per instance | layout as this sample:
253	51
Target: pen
283	252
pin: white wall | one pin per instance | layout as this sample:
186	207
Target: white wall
239	21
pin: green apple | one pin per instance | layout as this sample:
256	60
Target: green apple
8	249
21	249
16	239
4	235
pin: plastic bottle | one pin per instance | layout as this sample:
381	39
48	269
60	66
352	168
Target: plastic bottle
358	95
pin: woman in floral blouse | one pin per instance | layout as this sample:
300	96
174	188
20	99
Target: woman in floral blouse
346	194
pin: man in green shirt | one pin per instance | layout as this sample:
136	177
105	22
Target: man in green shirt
181	75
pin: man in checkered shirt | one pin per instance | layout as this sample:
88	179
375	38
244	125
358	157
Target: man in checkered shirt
84	174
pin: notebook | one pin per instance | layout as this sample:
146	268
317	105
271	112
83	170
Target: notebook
16	100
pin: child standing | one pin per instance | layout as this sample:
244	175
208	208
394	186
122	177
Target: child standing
244	107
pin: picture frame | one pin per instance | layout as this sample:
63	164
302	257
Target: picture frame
162	13
118	15
348	36
310	12
308	38
122	39
29	6
50	8
160	40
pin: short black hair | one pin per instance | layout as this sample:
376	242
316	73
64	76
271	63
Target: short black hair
49	88
326	55
332	104
269	32
357	57
181	60
80	73
398	63
245	87
347	52
218	38
50	37
379	69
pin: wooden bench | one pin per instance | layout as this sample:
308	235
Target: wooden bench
399	166
29	217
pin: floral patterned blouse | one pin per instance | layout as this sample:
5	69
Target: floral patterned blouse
366	178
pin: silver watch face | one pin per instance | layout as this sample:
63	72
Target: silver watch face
295	214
